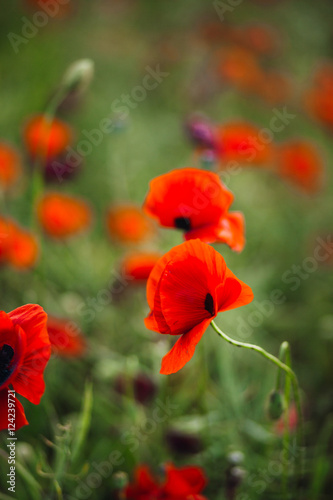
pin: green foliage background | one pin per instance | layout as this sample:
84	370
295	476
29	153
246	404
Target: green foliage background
221	395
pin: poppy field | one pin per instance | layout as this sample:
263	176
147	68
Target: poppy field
166	250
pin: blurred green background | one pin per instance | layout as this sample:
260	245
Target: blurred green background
221	396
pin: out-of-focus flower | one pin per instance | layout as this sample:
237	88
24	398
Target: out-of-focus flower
18	247
240	68
186	290
24	353
138	266
141	386
10	166
299	161
258	37
57	9
240	142
201	132
128	224
46	139
62	216
293	421
184	483
61	169
66	338
274	87
197	202
183	442
318	98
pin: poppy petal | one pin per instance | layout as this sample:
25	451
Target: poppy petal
234	293
13	347
184	481
183	349
187	198
29	381
229	230
18	416
65	336
180	299
214	262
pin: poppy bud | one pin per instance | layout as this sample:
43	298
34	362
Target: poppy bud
141	386
120	480
200	132
234	477
276	405
235	458
60	169
144	388
78	76
181	442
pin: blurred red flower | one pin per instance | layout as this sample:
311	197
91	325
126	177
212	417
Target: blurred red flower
46	139
240	68
186	290
66	338
240	141
62	215
318	98
128	224
55	9
299	162
18	247
24	353
197	202
10	166
184	483
138	266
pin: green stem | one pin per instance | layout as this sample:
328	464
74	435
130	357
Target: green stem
285	355
281	366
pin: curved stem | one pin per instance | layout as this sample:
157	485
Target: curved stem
280	365
285	355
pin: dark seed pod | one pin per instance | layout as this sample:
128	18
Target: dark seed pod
276	405
144	388
184	443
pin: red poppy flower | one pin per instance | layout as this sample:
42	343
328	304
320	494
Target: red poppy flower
240	141
260	38
24	353
239	67
300	162
318	99
128	224
46	139
62	216
185	483
186	290
66	338
10	165
59	9
197	202
274	87
138	266
18	247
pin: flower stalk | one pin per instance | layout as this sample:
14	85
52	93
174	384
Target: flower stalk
291	376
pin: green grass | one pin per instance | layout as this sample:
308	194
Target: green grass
221	395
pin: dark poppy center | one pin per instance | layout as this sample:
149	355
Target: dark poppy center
6	356
183	223
209	304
